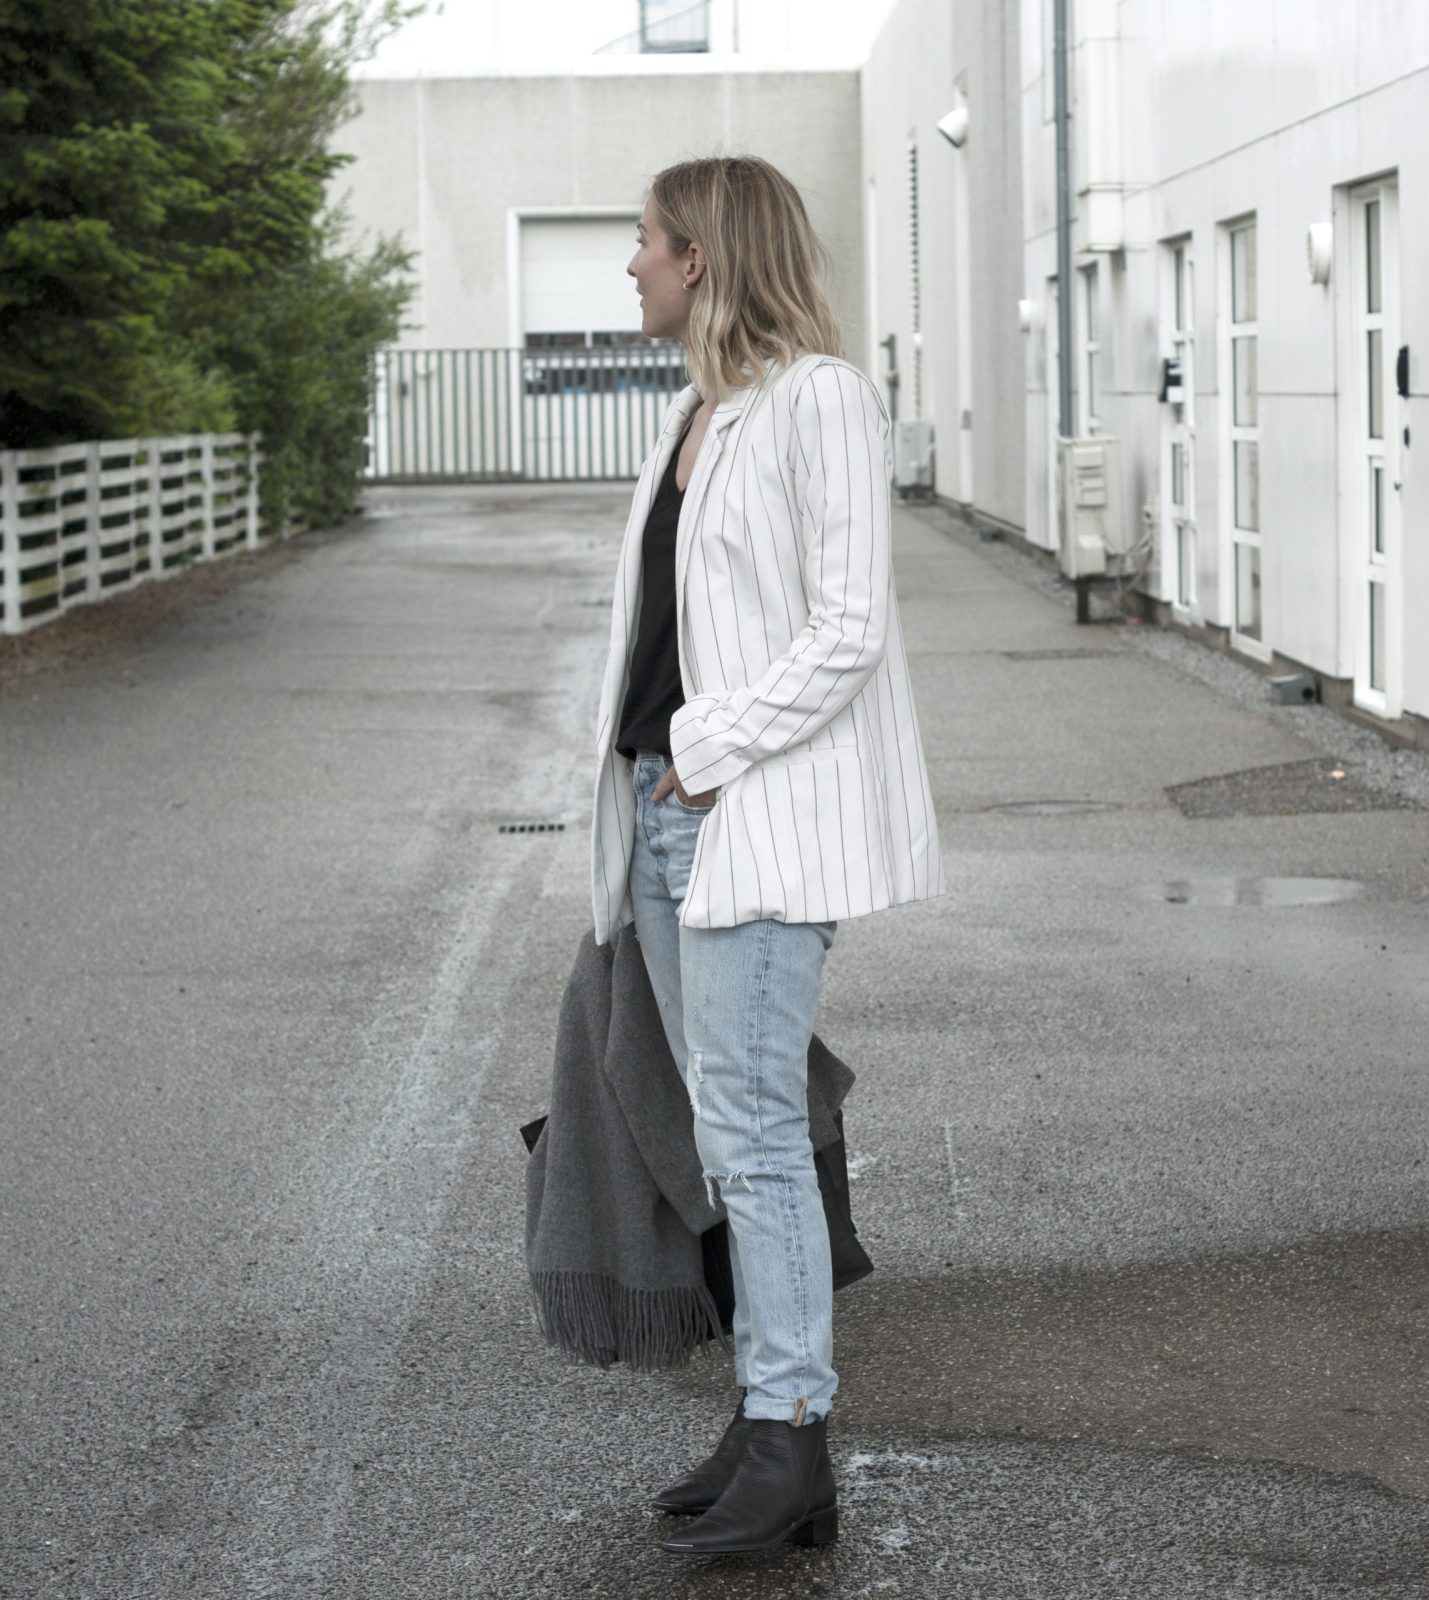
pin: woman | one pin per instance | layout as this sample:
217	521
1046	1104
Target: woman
760	776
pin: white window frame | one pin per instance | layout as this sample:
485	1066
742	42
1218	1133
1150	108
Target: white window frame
1178	426
1235	328
1362	566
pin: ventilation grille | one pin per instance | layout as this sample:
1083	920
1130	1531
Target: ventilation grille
915	280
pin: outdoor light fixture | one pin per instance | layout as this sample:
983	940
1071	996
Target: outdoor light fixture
954	127
1320	249
1029	315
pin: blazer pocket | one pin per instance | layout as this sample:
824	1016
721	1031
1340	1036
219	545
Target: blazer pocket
802	755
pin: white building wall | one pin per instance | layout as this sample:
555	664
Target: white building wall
446	163
1203	114
929	58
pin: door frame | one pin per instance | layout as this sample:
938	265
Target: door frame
1178	426
1229	433
1362	566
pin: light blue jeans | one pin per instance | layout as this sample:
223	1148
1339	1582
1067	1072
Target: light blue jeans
738	1006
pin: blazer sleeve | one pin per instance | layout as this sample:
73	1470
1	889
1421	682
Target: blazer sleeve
840	462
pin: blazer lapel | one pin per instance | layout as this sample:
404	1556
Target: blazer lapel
686	403
727	412
627	583
684	406
716	441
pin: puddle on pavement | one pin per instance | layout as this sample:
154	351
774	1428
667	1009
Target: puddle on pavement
1054	808
1253	891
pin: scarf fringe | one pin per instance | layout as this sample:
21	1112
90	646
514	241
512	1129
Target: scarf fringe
594	1319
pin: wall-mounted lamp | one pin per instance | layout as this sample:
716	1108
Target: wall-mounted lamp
1320	250
1029	315
954	127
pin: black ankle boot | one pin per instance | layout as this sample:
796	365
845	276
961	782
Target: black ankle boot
698	1490
782	1489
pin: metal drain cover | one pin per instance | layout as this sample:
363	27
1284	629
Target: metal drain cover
1054	808
1253	891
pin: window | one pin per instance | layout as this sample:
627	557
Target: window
672	27
1089	418
1243	426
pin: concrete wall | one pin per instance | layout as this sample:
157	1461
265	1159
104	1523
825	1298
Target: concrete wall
444	162
929	57
1193	116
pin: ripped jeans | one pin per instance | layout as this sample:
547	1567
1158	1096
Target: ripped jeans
738	1006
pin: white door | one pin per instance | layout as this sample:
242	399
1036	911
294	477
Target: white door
1371	416
1178	432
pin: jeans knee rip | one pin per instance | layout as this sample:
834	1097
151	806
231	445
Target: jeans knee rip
694	1078
711	1178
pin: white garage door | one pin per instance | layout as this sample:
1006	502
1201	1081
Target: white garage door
573	277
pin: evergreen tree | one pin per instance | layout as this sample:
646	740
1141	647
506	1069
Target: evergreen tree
165	261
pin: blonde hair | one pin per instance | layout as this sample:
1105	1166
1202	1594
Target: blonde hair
761	297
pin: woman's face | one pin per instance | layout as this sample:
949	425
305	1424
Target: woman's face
660	277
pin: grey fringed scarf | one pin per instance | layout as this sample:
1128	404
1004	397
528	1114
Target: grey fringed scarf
616	1202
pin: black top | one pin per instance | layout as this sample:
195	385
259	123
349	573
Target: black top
655	692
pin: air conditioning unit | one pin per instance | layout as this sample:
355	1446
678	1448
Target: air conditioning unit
912	457
1090	472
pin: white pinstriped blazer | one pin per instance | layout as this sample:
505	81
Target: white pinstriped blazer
798	706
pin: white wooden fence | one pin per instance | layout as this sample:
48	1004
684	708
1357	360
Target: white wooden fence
82	521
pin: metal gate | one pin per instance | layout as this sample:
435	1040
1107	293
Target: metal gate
544	415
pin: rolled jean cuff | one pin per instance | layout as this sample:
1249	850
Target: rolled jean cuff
759	1408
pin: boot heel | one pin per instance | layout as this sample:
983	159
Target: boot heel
821	1528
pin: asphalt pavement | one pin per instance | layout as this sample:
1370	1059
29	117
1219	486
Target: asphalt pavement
1138	1138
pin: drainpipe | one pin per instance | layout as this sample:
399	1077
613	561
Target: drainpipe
1064	221
1063	110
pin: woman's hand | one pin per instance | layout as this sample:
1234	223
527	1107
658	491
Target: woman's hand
669	780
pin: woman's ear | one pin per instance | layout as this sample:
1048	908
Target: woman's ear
695	265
